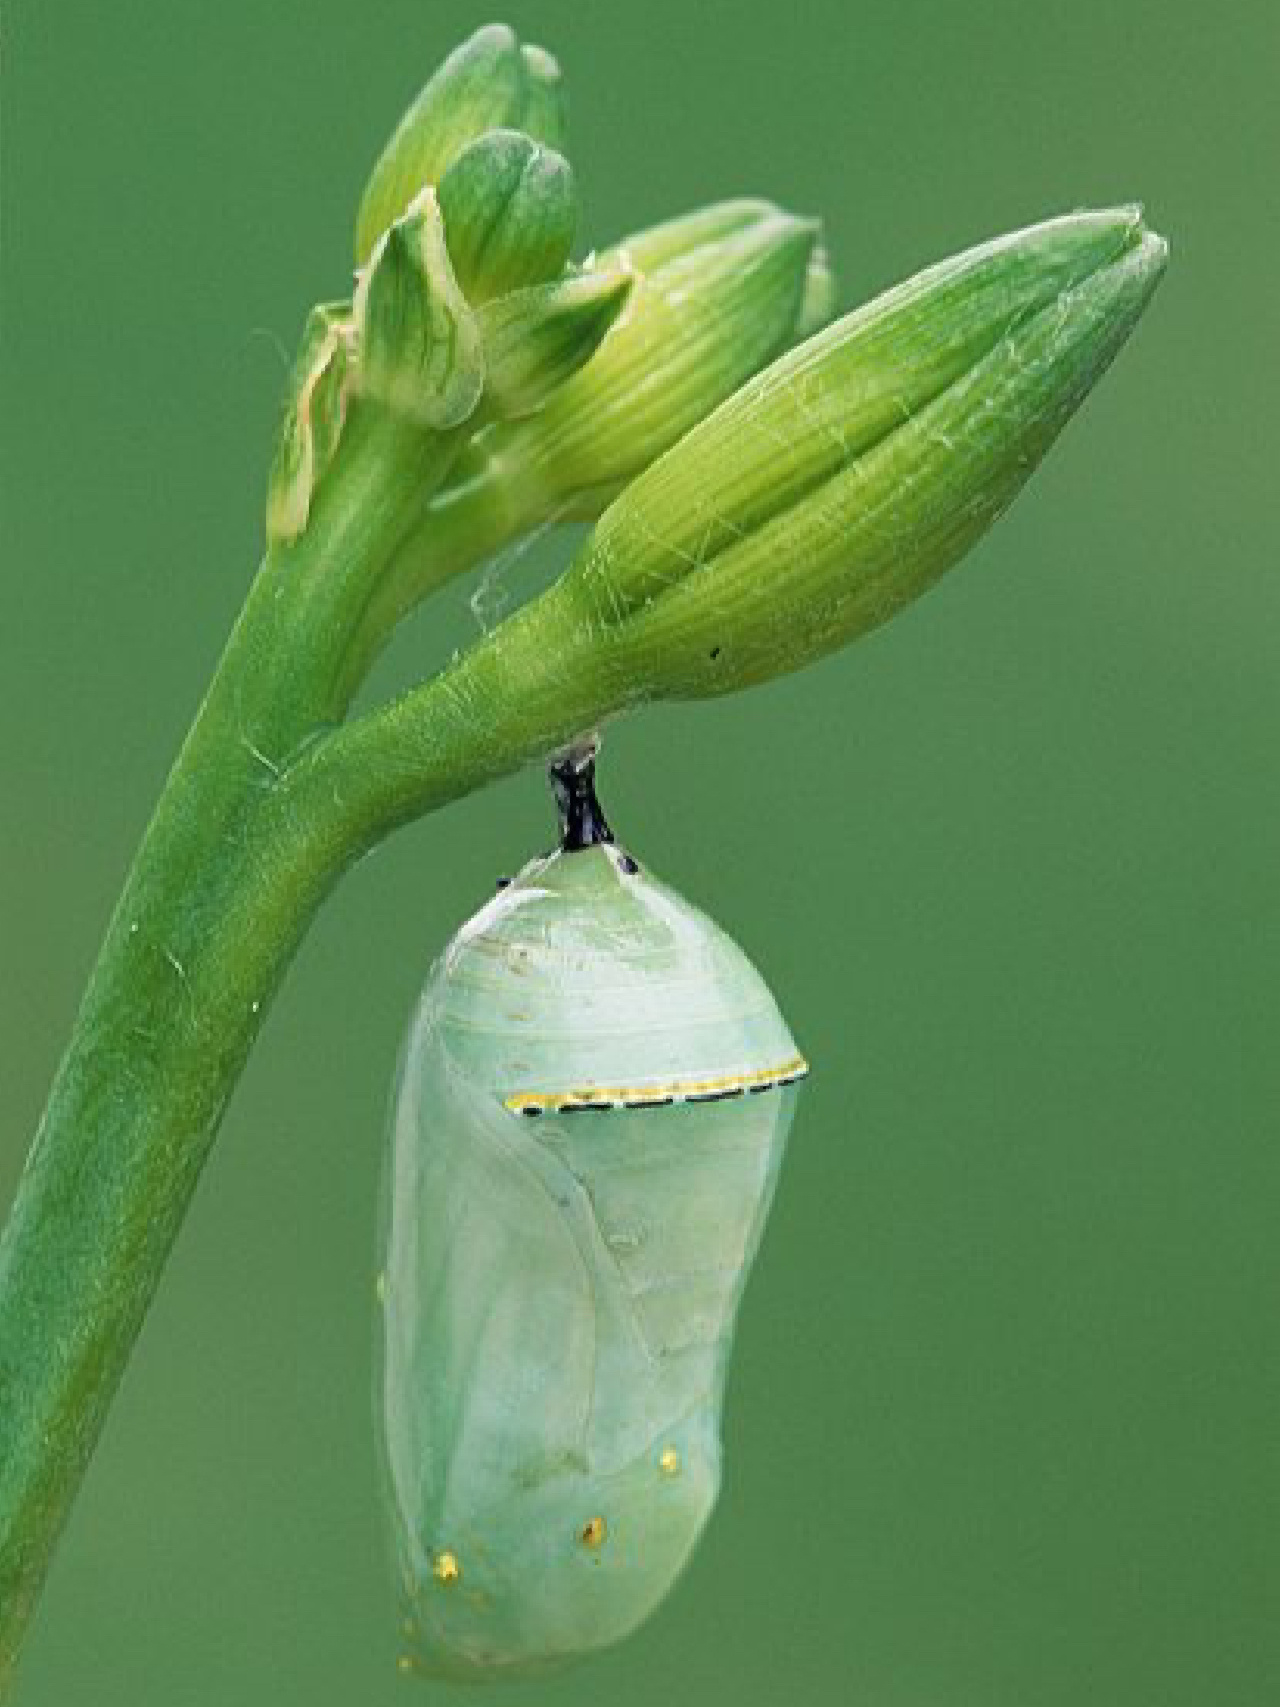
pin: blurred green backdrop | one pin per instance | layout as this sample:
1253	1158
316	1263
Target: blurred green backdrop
1004	1421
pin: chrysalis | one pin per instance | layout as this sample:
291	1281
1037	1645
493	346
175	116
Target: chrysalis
593	1100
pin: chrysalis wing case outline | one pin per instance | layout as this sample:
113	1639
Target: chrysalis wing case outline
594	1096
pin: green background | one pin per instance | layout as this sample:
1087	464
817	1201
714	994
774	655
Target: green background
1004	1420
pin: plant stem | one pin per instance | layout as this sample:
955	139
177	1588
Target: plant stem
220	894
269	802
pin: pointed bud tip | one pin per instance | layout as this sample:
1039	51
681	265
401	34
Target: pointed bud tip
1138	261
1152	252
1128	220
1103	235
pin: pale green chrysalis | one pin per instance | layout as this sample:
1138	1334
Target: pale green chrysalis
593	1100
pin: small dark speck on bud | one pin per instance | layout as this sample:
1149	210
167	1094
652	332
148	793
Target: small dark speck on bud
502	883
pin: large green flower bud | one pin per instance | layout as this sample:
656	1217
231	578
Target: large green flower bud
842	481
490	82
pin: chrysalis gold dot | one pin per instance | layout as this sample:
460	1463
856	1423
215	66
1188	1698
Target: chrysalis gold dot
445	1568
593	1532
669	1461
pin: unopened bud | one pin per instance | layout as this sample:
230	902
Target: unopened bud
715	297
490	82
509	213
841	482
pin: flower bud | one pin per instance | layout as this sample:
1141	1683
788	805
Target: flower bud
313	421
487	83
659	246
535	339
715	297
509	213
841	482
418	343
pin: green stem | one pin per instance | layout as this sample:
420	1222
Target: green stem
225	882
545	676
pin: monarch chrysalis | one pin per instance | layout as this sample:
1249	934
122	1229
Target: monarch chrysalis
593	1100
